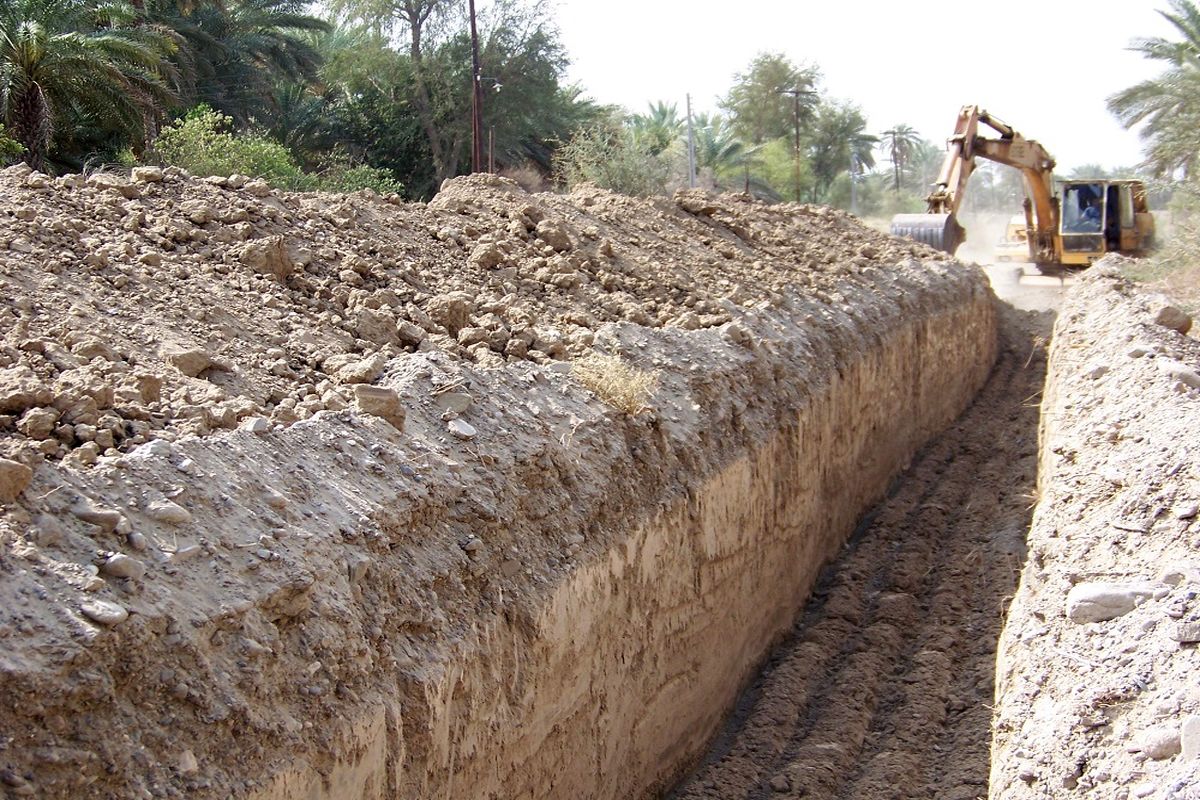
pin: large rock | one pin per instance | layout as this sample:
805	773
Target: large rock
1179	371
14	477
554	234
20	389
191	361
452	311
351	368
268	256
147	174
380	402
1170	316
105	180
1097	602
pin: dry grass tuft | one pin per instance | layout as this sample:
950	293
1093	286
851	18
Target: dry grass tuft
616	382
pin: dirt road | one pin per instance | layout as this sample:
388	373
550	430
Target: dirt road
884	687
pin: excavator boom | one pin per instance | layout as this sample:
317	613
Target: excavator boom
939	227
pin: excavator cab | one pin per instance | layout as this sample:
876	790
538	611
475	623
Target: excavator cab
1103	216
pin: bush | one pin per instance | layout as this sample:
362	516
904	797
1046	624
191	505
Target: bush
339	173
202	142
616	382
612	159
10	149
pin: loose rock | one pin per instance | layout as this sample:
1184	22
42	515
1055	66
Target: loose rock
119	565
462	430
105	612
380	402
168	512
14	478
1097	602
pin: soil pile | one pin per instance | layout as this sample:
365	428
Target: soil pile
1096	689
161	306
292	479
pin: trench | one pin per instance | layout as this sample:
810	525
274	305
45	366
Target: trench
883	688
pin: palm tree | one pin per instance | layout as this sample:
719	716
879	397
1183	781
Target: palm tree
1170	103
69	59
839	142
718	149
902	144
233	54
659	129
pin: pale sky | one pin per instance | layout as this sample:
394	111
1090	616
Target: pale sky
1043	66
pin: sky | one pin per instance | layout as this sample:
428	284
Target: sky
1043	66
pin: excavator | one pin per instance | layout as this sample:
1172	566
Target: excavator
1068	223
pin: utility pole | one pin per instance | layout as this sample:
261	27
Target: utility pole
795	93
691	146
853	182
476	98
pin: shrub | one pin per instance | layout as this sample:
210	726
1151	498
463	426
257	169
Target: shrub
10	149
613	159
340	173
616	382
203	143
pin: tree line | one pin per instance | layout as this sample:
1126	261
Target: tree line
379	94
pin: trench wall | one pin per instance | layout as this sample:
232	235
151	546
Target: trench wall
621	671
564	605
1082	697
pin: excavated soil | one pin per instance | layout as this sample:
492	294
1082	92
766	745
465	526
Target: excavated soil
1096	692
883	689
302	496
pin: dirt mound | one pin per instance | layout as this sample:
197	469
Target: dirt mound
161	306
1096	690
386	569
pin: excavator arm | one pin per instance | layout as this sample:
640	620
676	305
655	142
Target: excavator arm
939	227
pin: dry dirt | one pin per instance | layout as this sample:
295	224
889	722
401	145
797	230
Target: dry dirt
1097	694
300	497
164	307
884	687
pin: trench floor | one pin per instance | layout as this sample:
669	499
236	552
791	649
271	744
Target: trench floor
883	687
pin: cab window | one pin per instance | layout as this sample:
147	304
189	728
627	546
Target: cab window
1083	208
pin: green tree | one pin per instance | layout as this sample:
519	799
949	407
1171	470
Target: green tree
1169	105
63	62
232	55
839	135
10	149
658	129
414	117
414	19
759	104
611	156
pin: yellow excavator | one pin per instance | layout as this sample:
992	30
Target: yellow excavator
1068	223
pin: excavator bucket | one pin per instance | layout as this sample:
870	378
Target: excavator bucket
936	230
